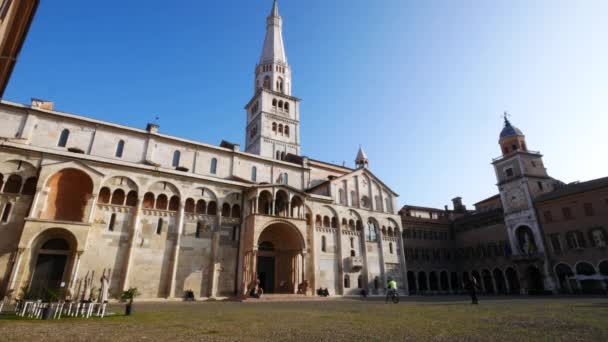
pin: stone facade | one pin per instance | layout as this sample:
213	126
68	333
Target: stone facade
537	235
81	198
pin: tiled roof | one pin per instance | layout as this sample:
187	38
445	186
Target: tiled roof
573	188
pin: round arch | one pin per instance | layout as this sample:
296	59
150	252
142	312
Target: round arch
69	196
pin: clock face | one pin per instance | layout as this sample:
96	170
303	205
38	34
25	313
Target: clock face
516	199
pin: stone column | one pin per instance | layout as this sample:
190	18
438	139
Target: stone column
401	246
494	283
507	285
340	256
178	240
16	268
134	232
384	277
75	270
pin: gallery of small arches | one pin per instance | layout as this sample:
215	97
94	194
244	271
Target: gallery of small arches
279	205
488	281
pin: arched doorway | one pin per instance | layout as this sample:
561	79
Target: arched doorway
564	273
534	279
501	286
513	281
411	282
487	281
50	268
280	260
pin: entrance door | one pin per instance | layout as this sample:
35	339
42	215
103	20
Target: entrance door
266	273
48	274
535	281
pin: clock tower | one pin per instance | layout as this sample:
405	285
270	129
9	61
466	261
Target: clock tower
521	178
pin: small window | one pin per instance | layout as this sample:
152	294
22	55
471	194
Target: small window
346	281
352	243
213	166
285	178
540	186
235	234
254	174
286	130
390	247
112	222
323	244
274	127
159	226
589	209
63	138
360	281
555	243
176	156
353	253
533	163
6	213
120	148
509	172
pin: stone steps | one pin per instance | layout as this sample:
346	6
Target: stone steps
282	298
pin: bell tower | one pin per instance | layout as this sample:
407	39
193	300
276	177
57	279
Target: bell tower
273	115
521	178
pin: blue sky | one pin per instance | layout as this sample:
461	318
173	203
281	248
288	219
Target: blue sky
420	84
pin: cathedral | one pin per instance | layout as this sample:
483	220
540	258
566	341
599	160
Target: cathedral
82	199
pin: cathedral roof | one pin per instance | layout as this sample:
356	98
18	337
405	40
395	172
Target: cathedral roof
510	130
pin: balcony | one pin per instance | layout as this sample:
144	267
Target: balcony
354	263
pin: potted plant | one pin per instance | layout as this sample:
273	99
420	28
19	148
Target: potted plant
128	296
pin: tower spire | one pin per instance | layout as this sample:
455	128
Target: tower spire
275	9
274	49
361	160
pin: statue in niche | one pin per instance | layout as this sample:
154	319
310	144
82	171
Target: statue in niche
526	241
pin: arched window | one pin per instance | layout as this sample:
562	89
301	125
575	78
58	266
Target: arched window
212	208
159	226
176	156
353	253
201	207
274	102
225	210
6	213
118	197
267	82
372	231
353	198
280	104
286	130
236	211
174	203
29	188
285	178
161	202
132	199
280	84
352	243
390	247
341	196
286	106
323	244
63	138
281	128
254	174
104	196
360	281
13	184
148	200
120	148
112	222
283	155
278	155
274	127
189	207
213	166
346	281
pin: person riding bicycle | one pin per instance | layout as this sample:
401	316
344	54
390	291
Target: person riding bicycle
391	289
